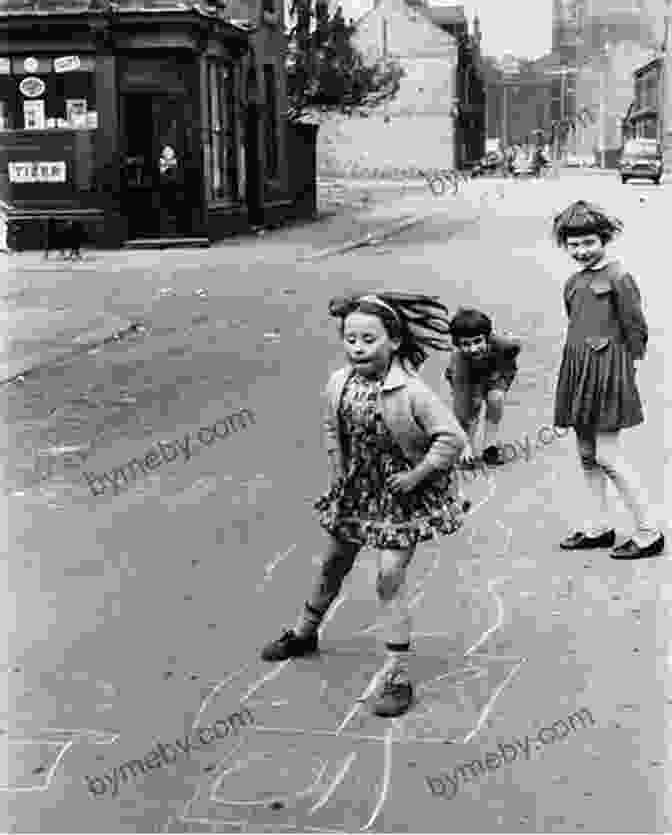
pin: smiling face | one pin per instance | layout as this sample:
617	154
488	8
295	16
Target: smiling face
368	344
586	250
473	347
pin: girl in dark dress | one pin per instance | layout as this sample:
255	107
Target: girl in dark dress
393	445
596	392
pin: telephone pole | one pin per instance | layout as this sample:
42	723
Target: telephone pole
663	86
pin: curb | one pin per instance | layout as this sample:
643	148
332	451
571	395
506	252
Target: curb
372	238
16	371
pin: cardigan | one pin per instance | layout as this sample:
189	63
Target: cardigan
422	424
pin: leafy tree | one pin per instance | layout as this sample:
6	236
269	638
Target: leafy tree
325	71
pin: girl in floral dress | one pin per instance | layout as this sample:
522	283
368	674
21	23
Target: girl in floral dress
392	444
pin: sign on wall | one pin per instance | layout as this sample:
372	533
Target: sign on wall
5	66
31	64
32	87
68	63
37	172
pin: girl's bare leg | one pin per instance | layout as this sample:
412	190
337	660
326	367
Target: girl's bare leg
597	521
610	458
393	598
337	563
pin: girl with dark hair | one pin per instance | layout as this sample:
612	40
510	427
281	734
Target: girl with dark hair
597	393
392	445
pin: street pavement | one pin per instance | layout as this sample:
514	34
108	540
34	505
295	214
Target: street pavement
135	615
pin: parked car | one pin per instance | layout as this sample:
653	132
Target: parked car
641	159
572	161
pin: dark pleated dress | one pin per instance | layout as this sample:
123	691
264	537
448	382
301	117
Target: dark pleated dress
596	388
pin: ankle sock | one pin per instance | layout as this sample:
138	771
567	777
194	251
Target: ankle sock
397	657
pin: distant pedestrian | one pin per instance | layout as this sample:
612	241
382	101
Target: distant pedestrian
481	370
597	392
393	445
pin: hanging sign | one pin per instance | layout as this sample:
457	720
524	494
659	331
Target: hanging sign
37	172
67	64
32	87
31	64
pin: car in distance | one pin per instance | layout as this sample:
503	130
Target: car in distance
642	159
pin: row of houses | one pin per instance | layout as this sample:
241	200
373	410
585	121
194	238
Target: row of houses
147	119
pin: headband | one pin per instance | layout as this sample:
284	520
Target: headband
373	299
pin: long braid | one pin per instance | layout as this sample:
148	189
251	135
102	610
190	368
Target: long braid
421	321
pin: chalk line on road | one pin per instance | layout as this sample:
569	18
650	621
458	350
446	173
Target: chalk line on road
397	731
52	737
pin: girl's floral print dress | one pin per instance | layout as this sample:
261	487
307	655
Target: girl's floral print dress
360	507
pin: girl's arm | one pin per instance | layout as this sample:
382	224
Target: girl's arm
441	425
330	432
569	286
631	317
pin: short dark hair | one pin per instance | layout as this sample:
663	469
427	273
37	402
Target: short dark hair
582	218
469	322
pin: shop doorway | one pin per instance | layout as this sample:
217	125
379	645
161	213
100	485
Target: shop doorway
159	197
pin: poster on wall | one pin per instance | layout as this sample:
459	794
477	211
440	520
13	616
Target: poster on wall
33	115
75	112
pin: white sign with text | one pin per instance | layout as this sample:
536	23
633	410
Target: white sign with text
37	172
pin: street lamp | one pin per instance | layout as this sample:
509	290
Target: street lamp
603	105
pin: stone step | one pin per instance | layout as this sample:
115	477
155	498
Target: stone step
165	243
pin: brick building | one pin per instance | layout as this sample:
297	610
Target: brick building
145	119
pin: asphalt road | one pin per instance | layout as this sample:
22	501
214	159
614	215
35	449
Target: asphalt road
135	616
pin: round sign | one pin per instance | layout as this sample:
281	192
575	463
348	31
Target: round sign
31	64
32	87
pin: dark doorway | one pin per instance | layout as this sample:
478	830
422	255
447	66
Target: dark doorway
159	151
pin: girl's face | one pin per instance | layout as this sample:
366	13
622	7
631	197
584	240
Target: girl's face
368	344
473	347
585	249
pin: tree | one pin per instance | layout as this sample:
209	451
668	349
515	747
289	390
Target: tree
325	71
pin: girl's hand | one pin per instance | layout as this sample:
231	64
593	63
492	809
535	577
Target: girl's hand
403	482
467	456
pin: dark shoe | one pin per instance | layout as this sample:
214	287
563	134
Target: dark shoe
493	456
631	551
289	645
395	695
466	506
580	542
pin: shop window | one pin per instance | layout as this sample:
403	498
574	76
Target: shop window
271	122
48	93
222	132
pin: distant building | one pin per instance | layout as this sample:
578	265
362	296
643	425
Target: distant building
520	100
437	118
144	120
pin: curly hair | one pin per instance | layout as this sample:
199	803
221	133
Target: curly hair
582	218
418	321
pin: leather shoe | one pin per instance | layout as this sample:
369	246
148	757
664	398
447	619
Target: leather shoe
579	541
631	551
